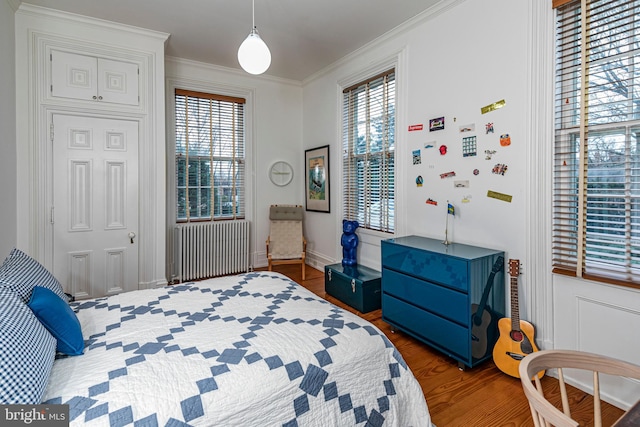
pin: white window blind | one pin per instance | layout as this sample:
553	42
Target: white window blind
596	201
368	152
210	156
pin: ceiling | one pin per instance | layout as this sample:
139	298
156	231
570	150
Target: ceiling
304	36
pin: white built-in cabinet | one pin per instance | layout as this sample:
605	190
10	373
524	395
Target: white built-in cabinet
78	76
91	150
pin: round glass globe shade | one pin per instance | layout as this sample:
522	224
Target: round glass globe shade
254	55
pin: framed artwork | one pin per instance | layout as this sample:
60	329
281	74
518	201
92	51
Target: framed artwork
316	166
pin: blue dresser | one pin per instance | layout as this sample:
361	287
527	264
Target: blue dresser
434	292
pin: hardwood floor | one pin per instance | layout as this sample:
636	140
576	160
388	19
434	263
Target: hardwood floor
482	396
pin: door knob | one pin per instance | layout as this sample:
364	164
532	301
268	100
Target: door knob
132	236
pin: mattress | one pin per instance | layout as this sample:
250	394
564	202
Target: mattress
246	350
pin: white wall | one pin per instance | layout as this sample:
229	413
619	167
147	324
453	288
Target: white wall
8	188
274	132
451	62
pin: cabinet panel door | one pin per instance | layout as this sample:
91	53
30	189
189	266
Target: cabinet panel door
84	77
73	76
117	82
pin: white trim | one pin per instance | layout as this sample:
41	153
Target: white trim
398	61
537	279
173	83
90	23
318	260
431	13
235	71
14	4
36	33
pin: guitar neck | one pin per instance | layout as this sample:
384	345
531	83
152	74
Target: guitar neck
497	266
515	315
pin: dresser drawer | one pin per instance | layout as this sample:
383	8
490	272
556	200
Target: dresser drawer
439	332
435	267
446	302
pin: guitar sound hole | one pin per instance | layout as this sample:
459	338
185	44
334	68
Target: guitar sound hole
517	336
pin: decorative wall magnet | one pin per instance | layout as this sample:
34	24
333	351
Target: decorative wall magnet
416	157
476	171
488	154
505	139
419	181
447	174
436	124
469	146
429	144
488	128
499	169
430	201
461	183
413	128
467	128
443	150
492	107
466	199
500	196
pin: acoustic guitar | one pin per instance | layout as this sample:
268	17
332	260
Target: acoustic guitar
483	320
516	338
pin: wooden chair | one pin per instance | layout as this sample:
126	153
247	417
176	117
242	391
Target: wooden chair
286	243
543	412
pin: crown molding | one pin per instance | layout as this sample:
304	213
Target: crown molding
53	14
425	16
14	4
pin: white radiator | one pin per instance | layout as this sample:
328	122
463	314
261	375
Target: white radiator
210	249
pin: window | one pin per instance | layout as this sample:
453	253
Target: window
596	221
368	131
210	156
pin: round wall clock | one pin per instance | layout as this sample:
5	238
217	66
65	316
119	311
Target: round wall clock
281	173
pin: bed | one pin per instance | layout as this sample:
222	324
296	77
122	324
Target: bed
245	350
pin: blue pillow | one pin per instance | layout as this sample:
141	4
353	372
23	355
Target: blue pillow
27	352
21	273
59	319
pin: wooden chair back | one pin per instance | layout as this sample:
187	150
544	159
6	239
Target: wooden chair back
286	243
546	414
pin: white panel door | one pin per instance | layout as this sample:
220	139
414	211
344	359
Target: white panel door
95	205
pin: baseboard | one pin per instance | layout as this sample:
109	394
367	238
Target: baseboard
314	259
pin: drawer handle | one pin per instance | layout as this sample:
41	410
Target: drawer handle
329	275
353	285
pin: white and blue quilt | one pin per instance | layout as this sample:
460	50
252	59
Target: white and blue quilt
255	349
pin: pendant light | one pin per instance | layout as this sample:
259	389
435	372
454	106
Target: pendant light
254	55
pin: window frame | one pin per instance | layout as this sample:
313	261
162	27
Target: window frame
237	159
579	208
386	224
